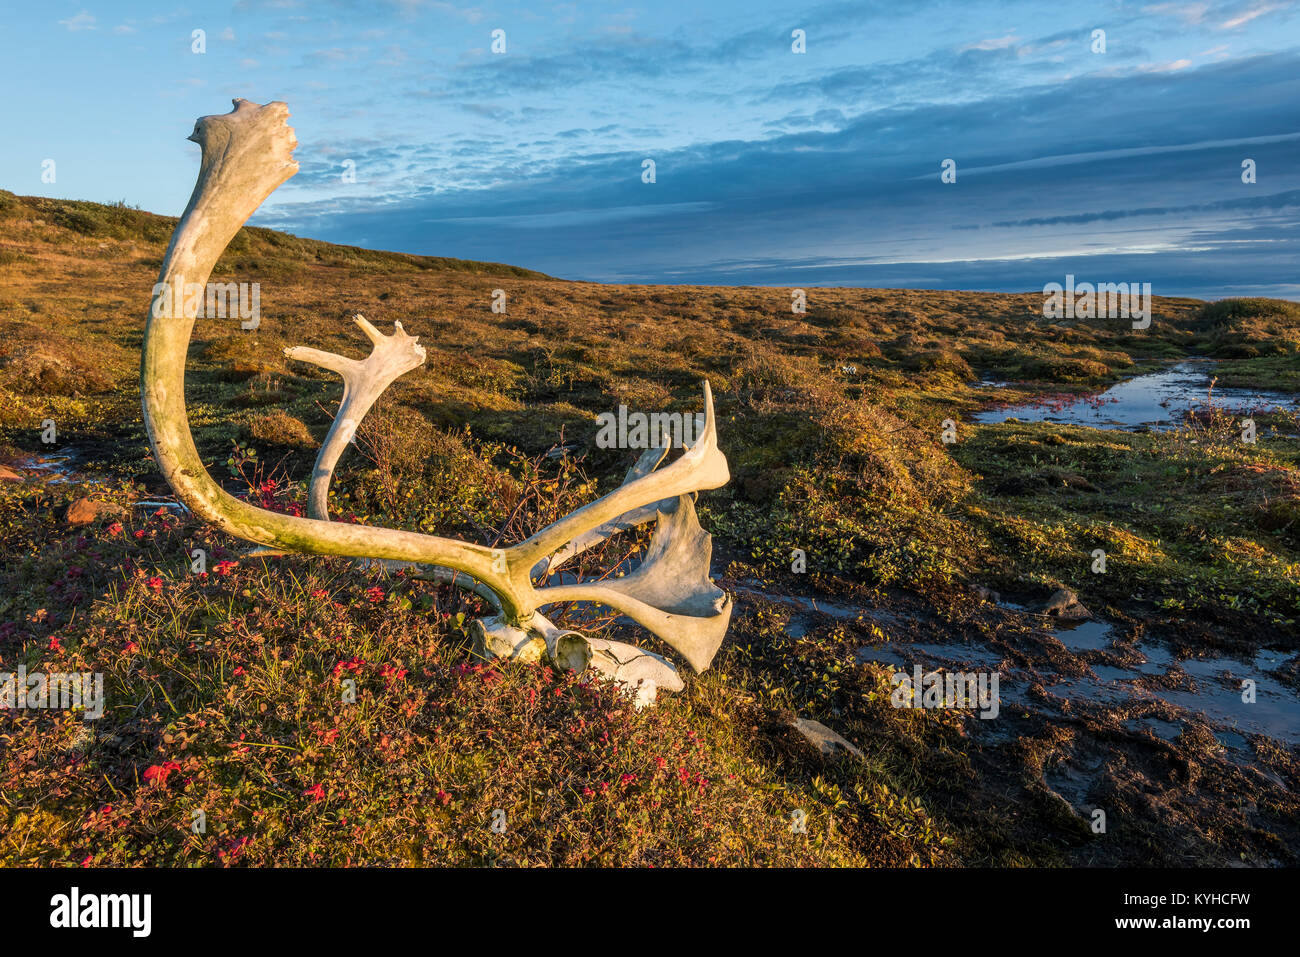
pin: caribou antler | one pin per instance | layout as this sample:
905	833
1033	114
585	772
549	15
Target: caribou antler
247	154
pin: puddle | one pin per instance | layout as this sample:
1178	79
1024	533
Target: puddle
1216	698
1109	673
1084	636
1270	660
1074	779
883	655
54	468
1158	660
1155	400
67	467
810	608
839	612
178	507
1275	712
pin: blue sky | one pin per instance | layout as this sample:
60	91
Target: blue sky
772	168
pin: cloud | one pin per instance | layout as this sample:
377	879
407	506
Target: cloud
861	201
1069	159
580	217
1001	43
1244	18
82	21
1187	12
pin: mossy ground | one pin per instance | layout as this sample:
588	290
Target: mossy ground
227	689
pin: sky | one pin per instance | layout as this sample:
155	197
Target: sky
771	167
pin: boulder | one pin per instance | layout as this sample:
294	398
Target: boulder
85	510
1064	604
9	475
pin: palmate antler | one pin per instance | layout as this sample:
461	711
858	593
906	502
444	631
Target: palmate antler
247	154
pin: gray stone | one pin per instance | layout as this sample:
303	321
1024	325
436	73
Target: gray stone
1065	605
829	744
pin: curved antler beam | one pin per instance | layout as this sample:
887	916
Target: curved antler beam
246	155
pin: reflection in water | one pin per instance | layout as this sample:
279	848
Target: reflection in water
1156	400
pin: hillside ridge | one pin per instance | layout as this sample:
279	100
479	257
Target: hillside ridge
119	221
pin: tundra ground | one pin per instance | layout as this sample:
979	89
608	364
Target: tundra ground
224	690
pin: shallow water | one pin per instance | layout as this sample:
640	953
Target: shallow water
1156	400
67	467
1166	730
54	468
1274	712
809	608
1084	636
1215	695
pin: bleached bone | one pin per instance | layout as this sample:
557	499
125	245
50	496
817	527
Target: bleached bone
670	593
641	673
363	382
496	637
246	155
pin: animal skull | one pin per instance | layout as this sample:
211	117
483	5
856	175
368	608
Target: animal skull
246	155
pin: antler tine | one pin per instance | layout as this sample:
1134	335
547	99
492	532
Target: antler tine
670	593
363	382
373	334
647	463
326	360
701	467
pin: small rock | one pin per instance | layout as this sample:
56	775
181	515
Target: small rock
829	744
1065	605
9	475
84	511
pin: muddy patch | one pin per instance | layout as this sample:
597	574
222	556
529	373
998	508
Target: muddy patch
1096	714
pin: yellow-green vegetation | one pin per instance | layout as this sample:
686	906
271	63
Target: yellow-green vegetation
1201	530
226	692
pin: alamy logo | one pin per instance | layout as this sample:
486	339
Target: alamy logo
956	689
1107	300
38	690
102	910
213	300
636	430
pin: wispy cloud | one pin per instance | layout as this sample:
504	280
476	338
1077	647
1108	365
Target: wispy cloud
1258	11
81	21
1187	12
